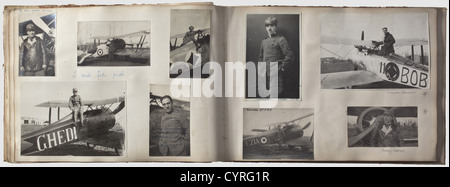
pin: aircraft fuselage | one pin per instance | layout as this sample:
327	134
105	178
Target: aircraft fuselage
96	122
394	68
272	136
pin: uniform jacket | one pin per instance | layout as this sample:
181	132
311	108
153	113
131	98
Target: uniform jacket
75	101
388	43
33	55
190	36
275	49
173	134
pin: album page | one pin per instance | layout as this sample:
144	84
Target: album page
93	83
340	84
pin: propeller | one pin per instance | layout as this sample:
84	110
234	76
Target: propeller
119	108
306	126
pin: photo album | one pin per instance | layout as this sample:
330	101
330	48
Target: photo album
206	83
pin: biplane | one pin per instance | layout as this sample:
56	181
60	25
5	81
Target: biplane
366	117
281	133
98	121
191	56
371	66
46	30
115	45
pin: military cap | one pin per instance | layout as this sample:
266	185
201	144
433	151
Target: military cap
30	27
75	89
389	112
384	28
271	21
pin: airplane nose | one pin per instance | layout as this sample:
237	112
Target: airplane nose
297	132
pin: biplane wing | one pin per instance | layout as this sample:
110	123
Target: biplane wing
129	35
348	78
410	41
43	23
181	35
90	103
348	41
259	130
286	122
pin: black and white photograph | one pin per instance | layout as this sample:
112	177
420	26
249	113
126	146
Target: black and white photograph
37	37
190	31
274	41
382	127
272	133
72	118
169	123
113	43
374	51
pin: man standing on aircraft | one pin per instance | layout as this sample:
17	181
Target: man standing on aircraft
33	55
174	132
75	105
275	48
190	36
387	45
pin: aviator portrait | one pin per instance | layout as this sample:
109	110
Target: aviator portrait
37	44
273	47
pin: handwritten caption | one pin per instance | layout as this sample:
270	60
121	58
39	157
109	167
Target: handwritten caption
392	150
99	75
259	109
401	92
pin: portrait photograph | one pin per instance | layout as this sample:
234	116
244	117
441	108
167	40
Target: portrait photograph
169	123
190	31
113	43
275	133
37	37
382	127
374	51
73	118
273	40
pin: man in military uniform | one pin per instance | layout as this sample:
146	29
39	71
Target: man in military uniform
190	36
275	48
174	132
75	105
387	45
33	55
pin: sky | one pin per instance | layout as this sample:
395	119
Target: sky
89	29
260	119
181	19
350	25
35	93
